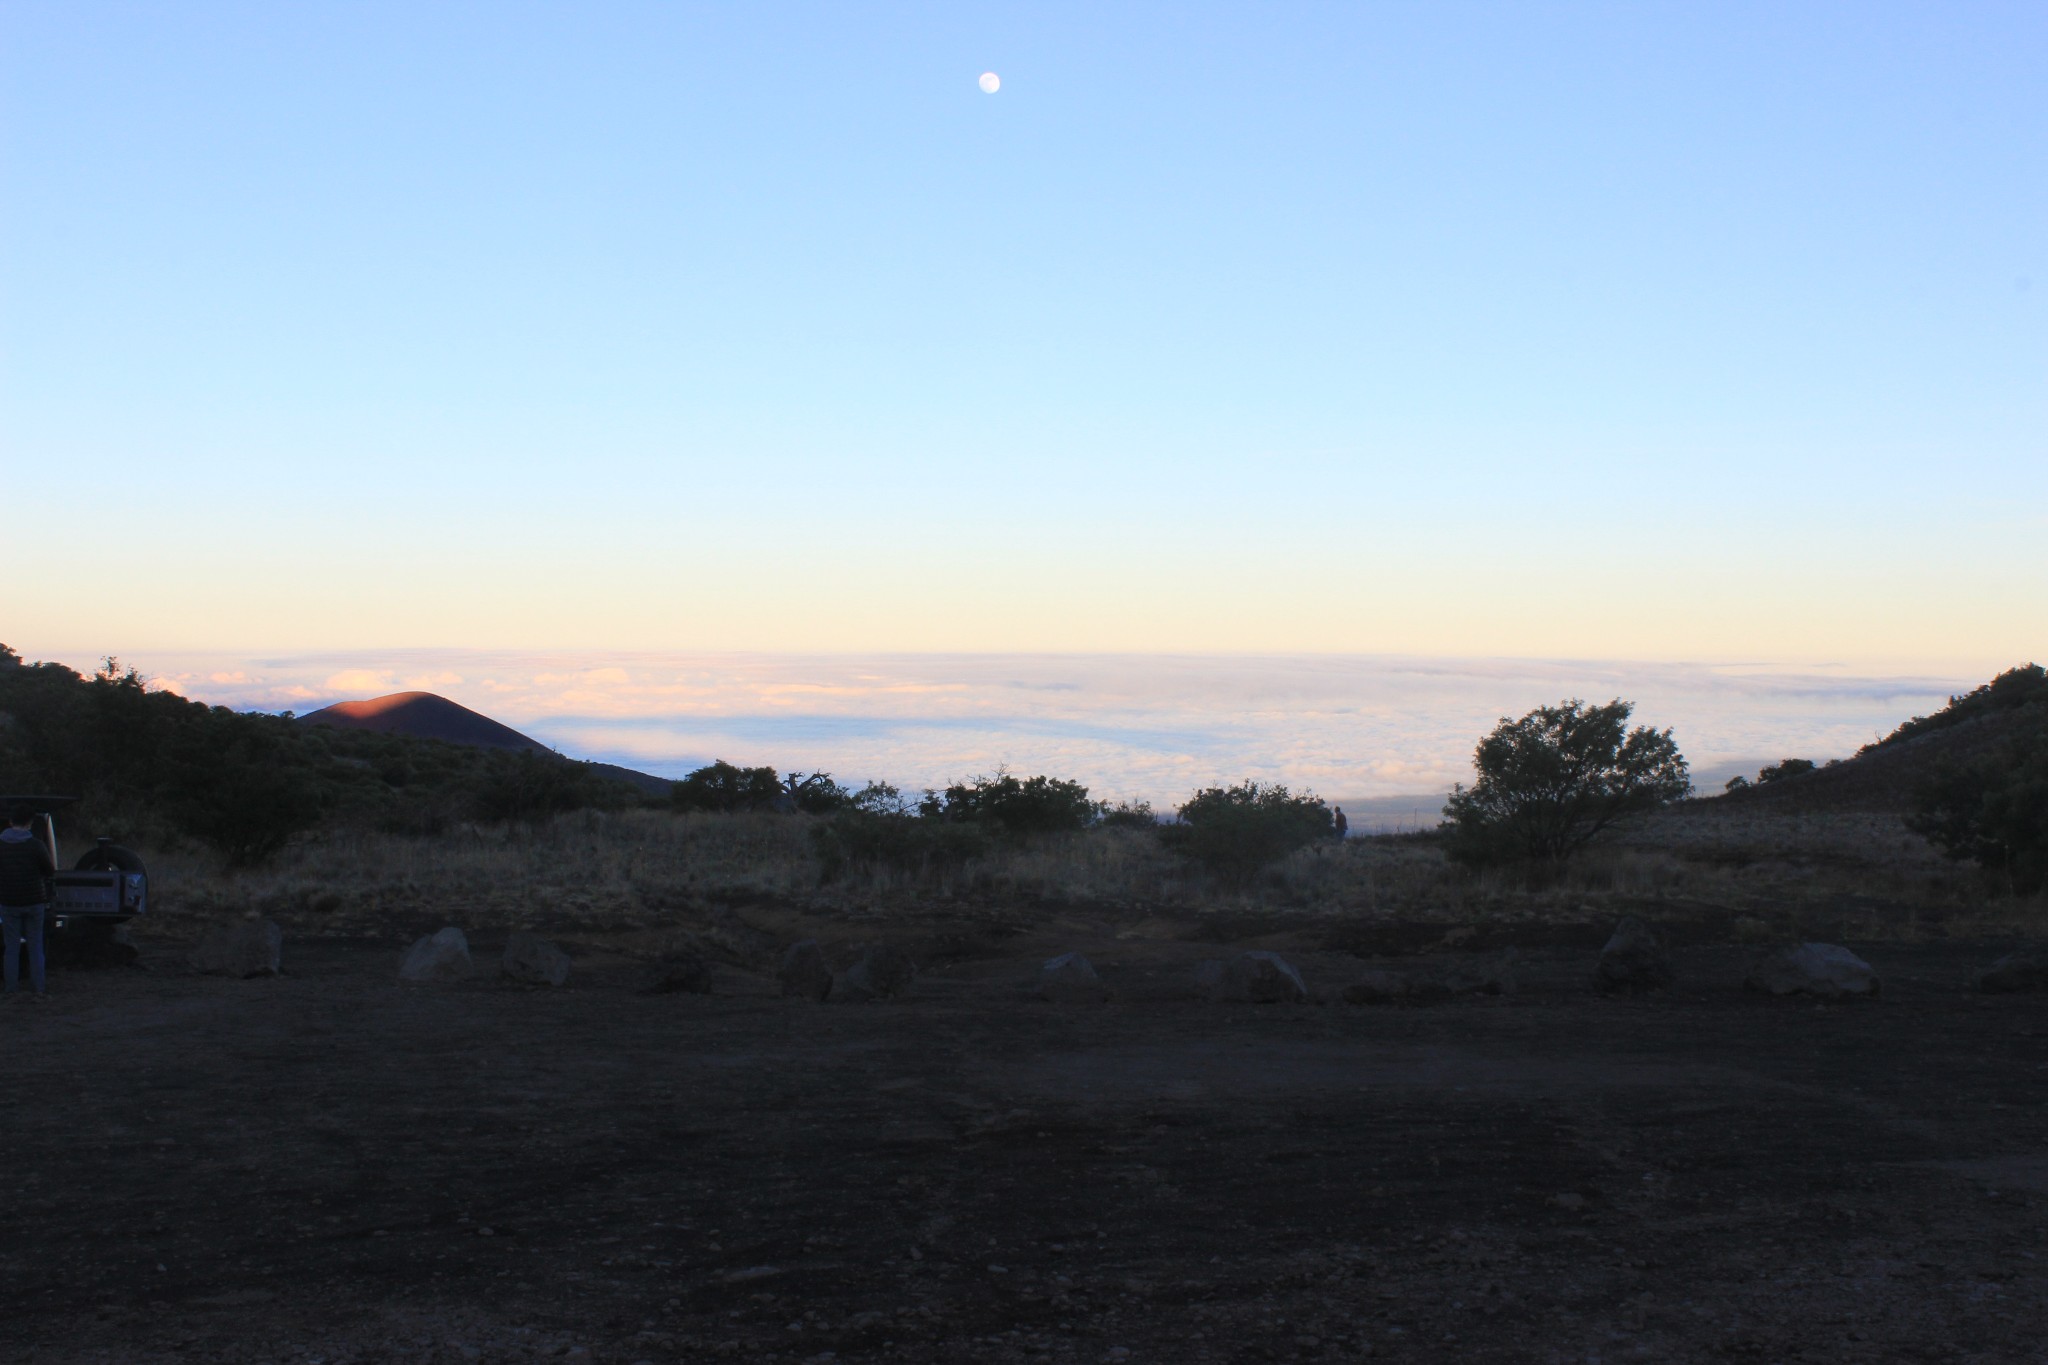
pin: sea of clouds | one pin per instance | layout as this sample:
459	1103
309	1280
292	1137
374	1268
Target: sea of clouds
1386	734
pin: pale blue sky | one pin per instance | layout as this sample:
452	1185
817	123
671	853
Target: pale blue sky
1632	331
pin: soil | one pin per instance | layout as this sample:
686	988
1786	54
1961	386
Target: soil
331	1167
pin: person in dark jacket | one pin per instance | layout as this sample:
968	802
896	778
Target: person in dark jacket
25	872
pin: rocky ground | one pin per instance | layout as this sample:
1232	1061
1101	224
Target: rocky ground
330	1166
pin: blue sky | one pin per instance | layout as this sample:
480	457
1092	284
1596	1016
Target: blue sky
1634	331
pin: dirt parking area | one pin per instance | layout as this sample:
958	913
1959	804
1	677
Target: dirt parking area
330	1167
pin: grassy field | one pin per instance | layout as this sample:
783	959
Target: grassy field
1715	872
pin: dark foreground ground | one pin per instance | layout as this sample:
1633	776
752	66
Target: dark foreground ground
330	1167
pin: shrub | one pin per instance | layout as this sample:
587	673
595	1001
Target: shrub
1236	831
1014	806
726	789
1779	771
903	843
1554	779
816	794
1993	811
532	788
1130	815
245	801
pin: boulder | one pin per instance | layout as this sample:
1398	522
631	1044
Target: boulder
1070	977
1633	960
803	972
442	956
255	947
1260	978
884	972
1493	976
533	960
1378	988
679	973
2015	972
1822	969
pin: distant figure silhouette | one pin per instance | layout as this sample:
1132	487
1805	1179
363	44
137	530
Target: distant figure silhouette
25	872
1343	825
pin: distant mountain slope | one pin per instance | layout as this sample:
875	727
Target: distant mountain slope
1885	776
423	715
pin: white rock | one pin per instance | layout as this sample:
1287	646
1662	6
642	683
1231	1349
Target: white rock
1633	960
1070	977
1822	969
1261	978
439	957
884	972
533	960
803	973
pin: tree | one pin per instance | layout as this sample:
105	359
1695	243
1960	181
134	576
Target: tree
1994	810
1013	805
815	793
1236	831
725	788
1557	777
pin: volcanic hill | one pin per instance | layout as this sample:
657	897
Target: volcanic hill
423	715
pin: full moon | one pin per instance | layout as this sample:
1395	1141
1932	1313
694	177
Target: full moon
990	82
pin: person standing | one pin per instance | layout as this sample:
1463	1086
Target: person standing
25	872
1340	824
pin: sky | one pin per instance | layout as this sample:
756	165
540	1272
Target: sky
1641	332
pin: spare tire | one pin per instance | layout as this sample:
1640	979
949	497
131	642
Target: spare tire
106	857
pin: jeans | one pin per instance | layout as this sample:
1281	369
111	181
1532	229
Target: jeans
18	923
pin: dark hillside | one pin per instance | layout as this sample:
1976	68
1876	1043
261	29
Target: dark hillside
152	766
1887	776
423	715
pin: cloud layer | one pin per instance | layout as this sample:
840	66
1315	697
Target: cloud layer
1138	726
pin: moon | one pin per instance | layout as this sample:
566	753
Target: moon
990	82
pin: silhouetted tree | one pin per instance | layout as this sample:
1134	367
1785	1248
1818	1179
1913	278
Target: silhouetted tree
727	789
1013	805
1993	810
1235	832
1554	779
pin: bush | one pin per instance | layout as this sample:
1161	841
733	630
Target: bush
1130	815
1993	811
246	803
816	794
726	789
1014	806
533	788
1554	779
1779	771
903	843
1234	832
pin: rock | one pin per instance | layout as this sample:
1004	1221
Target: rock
533	960
443	956
255	947
1495	976
1260	978
884	972
1377	988
1070	977
1821	969
803	971
679	973
1633	960
2015	972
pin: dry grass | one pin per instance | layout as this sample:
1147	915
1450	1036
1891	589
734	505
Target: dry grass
1852	876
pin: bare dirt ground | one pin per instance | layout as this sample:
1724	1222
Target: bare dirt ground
330	1167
